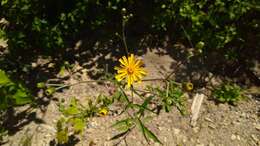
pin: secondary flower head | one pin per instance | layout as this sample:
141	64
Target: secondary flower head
189	86
130	69
103	111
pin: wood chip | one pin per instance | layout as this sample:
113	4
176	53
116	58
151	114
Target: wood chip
195	108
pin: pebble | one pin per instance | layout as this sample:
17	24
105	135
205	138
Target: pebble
184	139
199	144
212	126
160	128
165	139
243	115
235	123
191	140
240	120
196	129
211	144
257	127
255	138
176	131
254	116
238	137
233	137
225	123
34	65
169	121
209	120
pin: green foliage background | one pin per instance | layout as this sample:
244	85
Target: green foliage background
49	24
12	93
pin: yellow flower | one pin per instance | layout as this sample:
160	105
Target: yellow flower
103	111
189	86
130	69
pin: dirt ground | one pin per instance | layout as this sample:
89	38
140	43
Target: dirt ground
218	124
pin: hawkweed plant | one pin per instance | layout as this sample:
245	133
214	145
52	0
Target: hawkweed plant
130	69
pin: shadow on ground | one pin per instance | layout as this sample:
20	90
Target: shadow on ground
99	51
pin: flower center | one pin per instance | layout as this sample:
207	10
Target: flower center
130	70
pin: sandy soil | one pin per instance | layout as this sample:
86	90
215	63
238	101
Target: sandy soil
218	124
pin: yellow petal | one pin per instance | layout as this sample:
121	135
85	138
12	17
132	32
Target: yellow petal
129	81
139	75
124	63
125	60
138	63
120	77
122	71
134	77
131	60
142	71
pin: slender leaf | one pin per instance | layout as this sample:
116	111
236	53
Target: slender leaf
147	133
120	135
151	135
141	126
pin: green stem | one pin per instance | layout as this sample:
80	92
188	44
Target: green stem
132	93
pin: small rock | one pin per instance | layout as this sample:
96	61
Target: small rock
238	137
160	128
165	139
254	138
235	123
196	129
254	116
208	119
233	137
34	65
225	123
184	139
191	140
212	126
257	127
51	65
240	120
48	135
176	131
199	144
243	115
211	144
